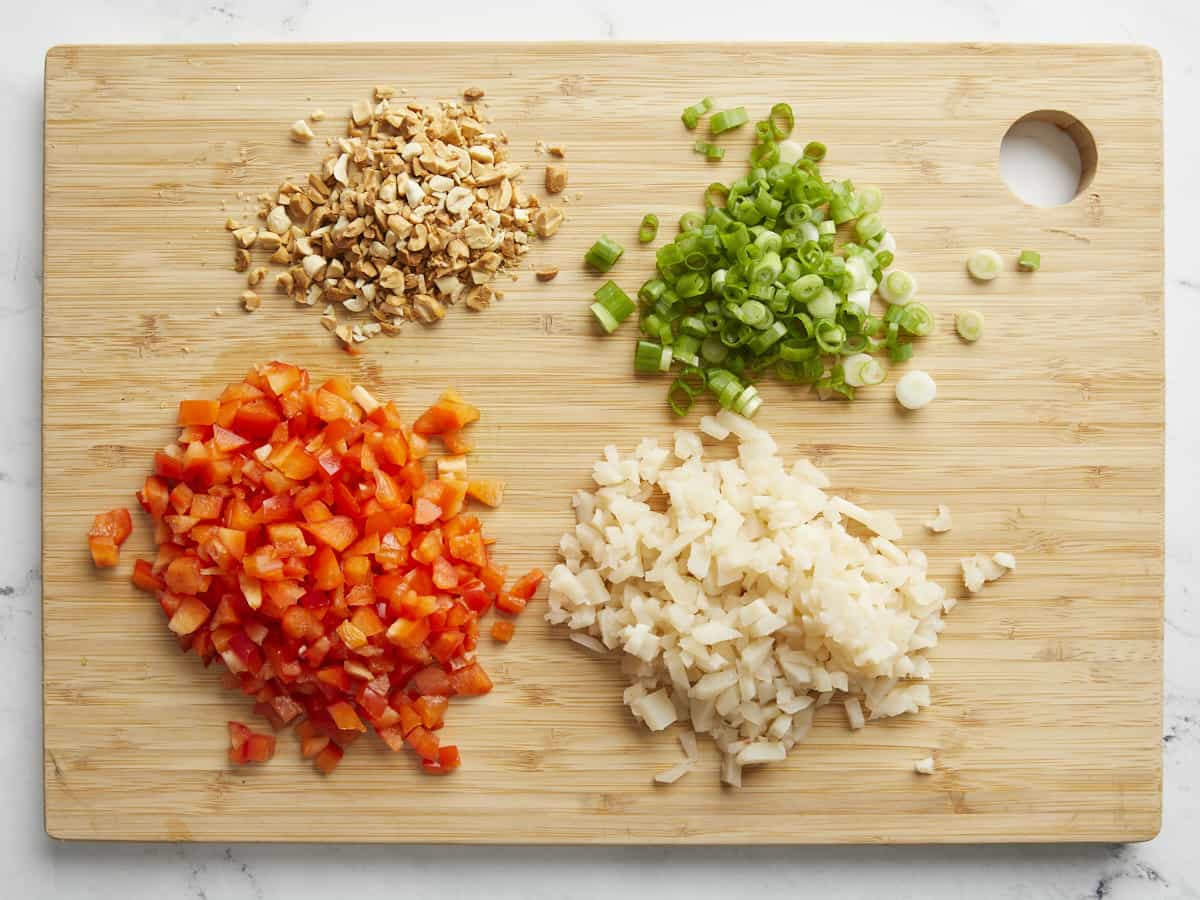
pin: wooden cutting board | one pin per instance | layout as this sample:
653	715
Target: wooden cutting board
1046	438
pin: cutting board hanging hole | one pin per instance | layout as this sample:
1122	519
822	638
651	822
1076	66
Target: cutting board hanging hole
1048	158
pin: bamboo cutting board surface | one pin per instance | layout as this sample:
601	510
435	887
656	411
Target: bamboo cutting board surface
1046	438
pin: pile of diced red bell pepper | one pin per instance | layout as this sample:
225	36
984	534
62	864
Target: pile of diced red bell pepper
301	541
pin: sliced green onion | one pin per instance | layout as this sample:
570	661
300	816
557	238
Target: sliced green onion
606	319
814	150
871	198
759	283
862	369
747	402
869	226
712	350
687	350
915	390
691	284
680	398
691	115
783	120
969	324
917	320
767	338
709	150
652	290
824	305
727	119
984	265
1029	261
648	230
806	287
830	335
898	287
612	306
647	357
603	254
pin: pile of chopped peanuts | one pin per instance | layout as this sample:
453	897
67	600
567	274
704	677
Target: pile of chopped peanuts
416	208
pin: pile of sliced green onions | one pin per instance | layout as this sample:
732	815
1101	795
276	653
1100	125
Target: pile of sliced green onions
759	282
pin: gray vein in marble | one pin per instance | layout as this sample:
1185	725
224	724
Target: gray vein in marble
244	868
1126	869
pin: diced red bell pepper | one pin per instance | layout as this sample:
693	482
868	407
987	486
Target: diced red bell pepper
302	542
198	412
190	615
339	532
144	577
506	602
470	680
448	760
527	584
327	760
424	742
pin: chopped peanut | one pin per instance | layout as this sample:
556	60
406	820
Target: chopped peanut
301	133
556	178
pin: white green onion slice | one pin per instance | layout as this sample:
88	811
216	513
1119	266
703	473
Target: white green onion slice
915	390
969	324
862	370
898	287
984	265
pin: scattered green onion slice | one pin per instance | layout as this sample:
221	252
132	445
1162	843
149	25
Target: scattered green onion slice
728	119
782	121
680	398
612	306
649	228
709	150
917	320
603	254
1029	261
983	265
814	150
969	324
915	390
691	115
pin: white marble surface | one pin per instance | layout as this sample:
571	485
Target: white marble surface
32	866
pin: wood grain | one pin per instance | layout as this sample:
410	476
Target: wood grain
1046	438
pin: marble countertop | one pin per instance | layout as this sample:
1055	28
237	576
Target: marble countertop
33	866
